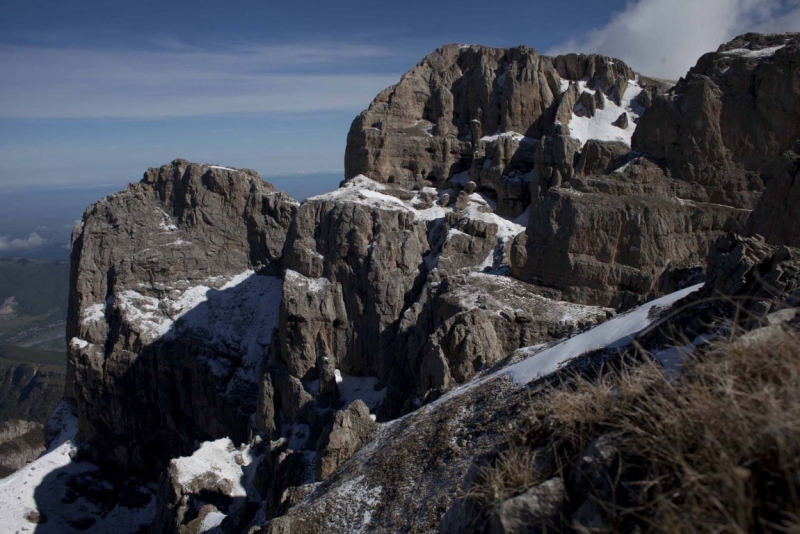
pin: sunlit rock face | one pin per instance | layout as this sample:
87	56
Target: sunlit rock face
478	112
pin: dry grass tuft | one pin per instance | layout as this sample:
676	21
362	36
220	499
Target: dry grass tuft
715	450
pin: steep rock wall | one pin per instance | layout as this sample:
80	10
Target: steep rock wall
608	236
165	304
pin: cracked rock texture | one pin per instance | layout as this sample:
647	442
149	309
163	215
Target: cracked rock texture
140	259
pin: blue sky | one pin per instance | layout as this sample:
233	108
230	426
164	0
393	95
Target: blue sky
94	92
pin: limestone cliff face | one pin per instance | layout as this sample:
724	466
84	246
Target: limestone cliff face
702	154
535	133
405	287
616	250
474	110
205	304
169	280
724	125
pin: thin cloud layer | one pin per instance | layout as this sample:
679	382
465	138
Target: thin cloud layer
179	82
10	245
664	38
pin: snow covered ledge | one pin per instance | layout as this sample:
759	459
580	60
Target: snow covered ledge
615	333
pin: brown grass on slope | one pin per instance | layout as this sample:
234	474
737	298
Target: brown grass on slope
716	450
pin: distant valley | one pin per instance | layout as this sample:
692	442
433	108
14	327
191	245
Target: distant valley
33	294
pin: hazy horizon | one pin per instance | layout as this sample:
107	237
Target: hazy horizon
36	221
92	93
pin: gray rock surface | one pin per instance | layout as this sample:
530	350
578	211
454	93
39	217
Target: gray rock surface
554	161
611	250
735	112
586	105
776	216
465	109
602	157
350	429
20	442
364	286
161	351
702	154
537	511
622	121
205	304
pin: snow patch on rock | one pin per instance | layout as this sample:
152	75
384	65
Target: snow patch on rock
313	285
218	459
93	313
38	488
601	126
753	54
239	316
352	388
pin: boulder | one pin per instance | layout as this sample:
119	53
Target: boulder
350	429
537	511
586	106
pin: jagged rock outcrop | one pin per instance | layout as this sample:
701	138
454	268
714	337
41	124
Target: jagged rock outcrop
735	112
468	322
362	261
769	275
365	291
178	334
206	305
476	110
515	170
701	155
554	161
172	305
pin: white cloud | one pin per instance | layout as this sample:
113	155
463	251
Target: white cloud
33	241
178	82
664	38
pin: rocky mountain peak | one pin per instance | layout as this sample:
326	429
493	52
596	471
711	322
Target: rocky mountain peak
464	102
726	122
